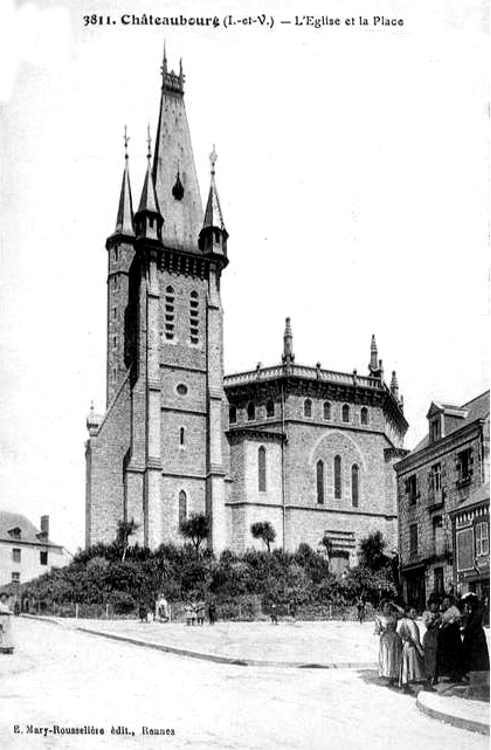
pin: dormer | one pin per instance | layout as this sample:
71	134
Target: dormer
443	419
16	532
436	426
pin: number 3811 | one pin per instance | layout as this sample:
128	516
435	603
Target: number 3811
95	20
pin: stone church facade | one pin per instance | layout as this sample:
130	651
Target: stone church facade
308	449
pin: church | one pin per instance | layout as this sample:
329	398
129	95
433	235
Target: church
310	450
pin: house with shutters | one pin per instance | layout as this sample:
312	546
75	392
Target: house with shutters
26	551
443	504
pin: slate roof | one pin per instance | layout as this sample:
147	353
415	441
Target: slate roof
477	408
28	532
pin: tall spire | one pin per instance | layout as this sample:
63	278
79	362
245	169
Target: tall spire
213	236
213	211
174	172
148	217
124	220
288	356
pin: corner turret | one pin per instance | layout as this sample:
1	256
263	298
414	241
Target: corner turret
375	367
213	236
288	357
148	219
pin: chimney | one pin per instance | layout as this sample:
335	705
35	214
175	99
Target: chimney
45	526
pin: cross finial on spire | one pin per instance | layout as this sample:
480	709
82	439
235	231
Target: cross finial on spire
126	139
213	159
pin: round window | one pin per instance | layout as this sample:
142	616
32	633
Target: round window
182	389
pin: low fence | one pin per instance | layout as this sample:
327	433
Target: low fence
245	608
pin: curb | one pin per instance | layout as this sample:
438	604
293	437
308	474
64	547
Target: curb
471	725
235	661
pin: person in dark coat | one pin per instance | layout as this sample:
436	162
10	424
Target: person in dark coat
212	613
476	654
431	621
450	655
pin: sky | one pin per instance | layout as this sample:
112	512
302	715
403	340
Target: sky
353	174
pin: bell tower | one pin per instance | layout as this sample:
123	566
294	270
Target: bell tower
175	463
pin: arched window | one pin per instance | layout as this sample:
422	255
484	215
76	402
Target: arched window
364	415
182	436
307	408
327	410
345	413
355	485
183	510
169	313
261	468
194	318
232	415
320	481
251	412
270	408
338	488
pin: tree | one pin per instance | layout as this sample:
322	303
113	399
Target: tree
263	530
196	528
125	530
371	553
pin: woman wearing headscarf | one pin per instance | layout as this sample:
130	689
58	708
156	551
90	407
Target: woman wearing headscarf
389	659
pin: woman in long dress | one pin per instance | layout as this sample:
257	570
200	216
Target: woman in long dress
6	636
431	621
450	649
476	655
412	667
389	659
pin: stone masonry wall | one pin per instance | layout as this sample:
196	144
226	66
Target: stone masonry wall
107	451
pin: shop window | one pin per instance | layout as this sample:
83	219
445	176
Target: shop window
482	539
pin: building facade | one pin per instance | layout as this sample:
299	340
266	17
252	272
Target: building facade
310	450
440	498
27	552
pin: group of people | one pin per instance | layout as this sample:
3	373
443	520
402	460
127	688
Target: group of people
195	613
453	645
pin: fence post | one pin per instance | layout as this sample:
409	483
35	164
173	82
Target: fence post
76	610
107	610
330	611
